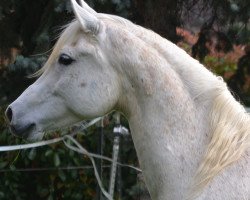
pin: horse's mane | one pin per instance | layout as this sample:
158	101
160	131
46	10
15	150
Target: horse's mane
230	127
230	124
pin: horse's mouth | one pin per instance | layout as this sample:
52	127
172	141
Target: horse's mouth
29	132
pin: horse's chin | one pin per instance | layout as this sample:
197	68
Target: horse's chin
34	136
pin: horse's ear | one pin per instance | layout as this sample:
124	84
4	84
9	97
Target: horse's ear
87	7
86	17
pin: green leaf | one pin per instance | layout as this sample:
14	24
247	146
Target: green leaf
1	195
48	152
12	167
76	161
50	197
61	174
56	160
32	154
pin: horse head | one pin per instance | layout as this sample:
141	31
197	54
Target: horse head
77	82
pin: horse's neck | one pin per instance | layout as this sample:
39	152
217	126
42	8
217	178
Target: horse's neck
166	127
167	97
166	131
193	74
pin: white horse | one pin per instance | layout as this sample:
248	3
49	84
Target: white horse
191	136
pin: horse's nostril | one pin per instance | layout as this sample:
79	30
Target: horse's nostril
9	114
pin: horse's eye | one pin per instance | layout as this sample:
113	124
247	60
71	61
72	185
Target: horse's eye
65	59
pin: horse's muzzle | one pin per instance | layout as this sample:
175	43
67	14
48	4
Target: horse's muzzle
21	130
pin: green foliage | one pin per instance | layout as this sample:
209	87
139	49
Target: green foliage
220	65
27	64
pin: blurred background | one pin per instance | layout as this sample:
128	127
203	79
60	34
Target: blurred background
217	33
